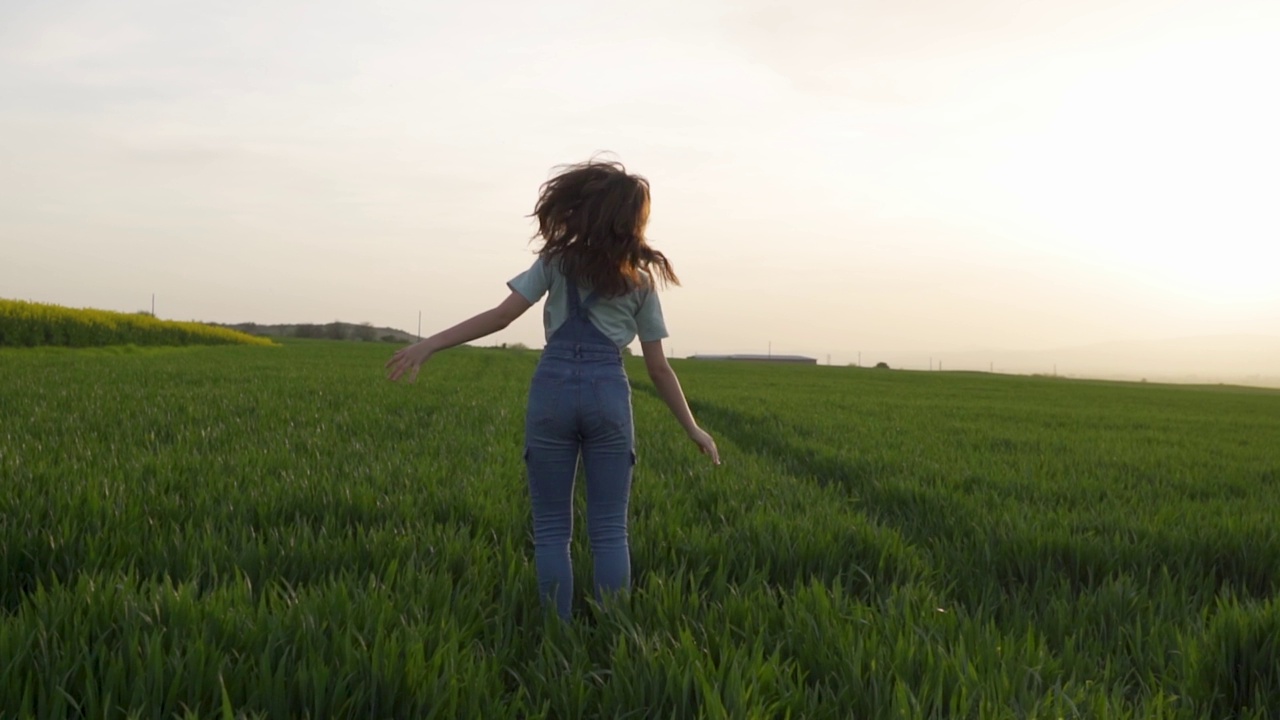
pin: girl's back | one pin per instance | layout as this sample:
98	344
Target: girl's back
600	276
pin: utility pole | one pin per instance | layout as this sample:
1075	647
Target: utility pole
419	324
153	304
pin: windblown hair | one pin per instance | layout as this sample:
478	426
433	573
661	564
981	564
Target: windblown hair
591	218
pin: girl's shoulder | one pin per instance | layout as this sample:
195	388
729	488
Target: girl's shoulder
557	281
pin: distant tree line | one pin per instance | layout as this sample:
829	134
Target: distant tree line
364	332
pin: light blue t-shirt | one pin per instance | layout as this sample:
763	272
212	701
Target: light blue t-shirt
620	318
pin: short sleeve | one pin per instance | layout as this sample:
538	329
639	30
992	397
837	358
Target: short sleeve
650	325
533	283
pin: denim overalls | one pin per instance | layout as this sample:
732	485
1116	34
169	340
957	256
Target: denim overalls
579	402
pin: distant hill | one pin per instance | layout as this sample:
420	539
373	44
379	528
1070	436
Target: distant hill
361	332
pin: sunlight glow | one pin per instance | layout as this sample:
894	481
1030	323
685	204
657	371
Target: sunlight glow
1162	168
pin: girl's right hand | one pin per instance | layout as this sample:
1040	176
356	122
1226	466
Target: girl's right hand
705	443
408	360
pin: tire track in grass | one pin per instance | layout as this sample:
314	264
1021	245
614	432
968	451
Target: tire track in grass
747	508
917	512
1021	564
930	514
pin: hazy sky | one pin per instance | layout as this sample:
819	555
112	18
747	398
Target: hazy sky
909	175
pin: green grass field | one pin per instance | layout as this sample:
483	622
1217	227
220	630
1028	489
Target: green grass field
280	532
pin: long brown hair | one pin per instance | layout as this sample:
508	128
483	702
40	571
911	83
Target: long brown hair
591	218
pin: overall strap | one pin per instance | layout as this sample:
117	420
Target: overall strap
576	306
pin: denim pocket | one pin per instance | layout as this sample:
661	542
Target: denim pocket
544	398
613	399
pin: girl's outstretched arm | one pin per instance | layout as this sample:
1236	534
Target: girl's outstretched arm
668	385
490	321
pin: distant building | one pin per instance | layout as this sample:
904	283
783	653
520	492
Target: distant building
761	358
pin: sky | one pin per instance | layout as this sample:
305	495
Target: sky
841	180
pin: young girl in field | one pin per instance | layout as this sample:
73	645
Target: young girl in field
600	276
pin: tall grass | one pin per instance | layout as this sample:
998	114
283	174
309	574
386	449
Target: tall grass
200	531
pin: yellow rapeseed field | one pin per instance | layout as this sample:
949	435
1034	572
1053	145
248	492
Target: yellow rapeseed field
28	324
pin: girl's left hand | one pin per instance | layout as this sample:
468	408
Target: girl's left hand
408	360
705	443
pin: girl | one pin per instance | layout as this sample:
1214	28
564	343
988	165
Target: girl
599	275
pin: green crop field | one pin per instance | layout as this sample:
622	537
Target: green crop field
280	532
